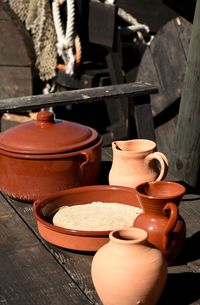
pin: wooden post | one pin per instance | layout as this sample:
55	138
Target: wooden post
185	163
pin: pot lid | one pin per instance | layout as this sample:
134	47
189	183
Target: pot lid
47	135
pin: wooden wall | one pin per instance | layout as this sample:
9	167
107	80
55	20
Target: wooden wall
163	64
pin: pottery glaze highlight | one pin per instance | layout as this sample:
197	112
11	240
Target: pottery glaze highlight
135	162
127	270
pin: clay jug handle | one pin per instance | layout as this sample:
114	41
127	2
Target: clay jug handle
162	159
172	220
88	156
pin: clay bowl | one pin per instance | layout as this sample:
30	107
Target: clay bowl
44	210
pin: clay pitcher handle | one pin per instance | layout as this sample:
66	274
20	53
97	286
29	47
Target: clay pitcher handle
162	159
174	213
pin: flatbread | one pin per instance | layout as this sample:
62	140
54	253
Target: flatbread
96	216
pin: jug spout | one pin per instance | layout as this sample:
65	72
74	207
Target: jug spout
115	145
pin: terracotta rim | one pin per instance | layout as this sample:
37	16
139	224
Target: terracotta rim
60	155
128	236
140	187
134	143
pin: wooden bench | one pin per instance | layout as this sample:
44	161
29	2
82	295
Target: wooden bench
139	119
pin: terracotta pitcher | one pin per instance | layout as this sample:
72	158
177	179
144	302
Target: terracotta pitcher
127	270
160	218
135	162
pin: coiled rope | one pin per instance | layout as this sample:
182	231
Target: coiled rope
66	40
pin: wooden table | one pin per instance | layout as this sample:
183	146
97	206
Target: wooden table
34	272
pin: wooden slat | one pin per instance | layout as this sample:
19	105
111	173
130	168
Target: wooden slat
15	81
184	29
17	55
144	118
99	32
3	11
164	63
169	61
15	44
186	150
76	96
29	274
77	264
190	211
13	51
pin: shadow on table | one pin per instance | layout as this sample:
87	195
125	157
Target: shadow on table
191	249
182	288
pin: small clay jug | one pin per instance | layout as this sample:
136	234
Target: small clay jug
160	218
127	270
135	162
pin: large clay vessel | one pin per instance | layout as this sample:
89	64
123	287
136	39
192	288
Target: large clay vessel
127	270
160	218
135	162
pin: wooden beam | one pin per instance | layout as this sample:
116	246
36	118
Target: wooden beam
76	96
186	156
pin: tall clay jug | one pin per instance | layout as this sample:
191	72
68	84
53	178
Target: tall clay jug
135	162
128	271
160	218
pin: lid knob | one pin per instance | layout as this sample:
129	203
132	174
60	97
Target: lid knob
45	116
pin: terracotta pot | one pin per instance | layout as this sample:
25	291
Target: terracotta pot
45	209
160	217
47	155
135	162
128	271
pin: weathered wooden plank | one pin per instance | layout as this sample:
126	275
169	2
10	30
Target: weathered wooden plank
102	33
164	63
190	210
3	13
76	96
186	161
184	29
15	81
13	51
75	263
169	61
143	118
29	274
118	117
17	55
146	71
177	290
15	44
